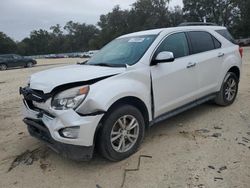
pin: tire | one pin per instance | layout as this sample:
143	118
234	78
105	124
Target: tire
29	65
124	145
3	67
228	91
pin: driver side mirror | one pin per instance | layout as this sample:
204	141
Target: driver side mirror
163	57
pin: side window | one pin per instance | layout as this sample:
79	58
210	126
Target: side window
7	56
225	33
217	44
176	43
201	41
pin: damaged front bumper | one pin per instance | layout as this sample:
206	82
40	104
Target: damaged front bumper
38	130
45	124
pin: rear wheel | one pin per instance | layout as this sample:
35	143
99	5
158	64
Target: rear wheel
229	90
122	133
29	65
3	67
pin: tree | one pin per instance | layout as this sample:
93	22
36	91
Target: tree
79	35
7	45
56	44
176	16
111	27
77	38
149	14
222	12
243	26
144	14
39	42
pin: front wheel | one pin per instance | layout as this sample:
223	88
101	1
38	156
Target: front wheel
122	133
3	67
228	91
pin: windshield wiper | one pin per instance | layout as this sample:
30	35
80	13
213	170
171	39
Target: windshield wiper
107	65
82	63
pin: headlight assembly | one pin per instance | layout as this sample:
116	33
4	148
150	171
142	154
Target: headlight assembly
70	98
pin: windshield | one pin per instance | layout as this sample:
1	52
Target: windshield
122	51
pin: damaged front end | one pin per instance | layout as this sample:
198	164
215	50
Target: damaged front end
53	118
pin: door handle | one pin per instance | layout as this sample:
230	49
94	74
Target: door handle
221	54
190	65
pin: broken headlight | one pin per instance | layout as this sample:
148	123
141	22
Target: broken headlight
70	98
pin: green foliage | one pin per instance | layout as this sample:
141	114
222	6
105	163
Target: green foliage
144	14
242	28
221	12
176	16
7	45
149	14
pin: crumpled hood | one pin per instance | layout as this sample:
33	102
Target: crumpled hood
49	79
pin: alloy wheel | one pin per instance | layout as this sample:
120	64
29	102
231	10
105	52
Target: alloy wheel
3	67
29	65
230	90
124	133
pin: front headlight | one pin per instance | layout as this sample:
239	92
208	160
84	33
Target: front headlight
70	98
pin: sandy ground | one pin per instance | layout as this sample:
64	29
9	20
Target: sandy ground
208	146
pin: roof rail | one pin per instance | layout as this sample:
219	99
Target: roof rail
197	24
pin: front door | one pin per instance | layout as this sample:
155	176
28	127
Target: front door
174	83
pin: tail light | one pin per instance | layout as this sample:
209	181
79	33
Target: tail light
241	51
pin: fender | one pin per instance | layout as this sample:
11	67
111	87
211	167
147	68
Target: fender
131	83
228	63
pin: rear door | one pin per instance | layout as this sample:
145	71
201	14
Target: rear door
207	53
18	61
174	83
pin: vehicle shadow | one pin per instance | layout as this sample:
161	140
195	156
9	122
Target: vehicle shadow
159	129
180	119
47	161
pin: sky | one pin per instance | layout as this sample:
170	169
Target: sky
19	17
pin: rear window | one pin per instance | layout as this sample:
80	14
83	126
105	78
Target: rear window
225	33
4	56
201	41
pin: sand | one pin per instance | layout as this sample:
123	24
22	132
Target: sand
207	146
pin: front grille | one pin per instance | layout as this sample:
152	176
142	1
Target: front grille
31	95
34	95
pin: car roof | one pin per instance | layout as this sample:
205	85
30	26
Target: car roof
172	29
7	54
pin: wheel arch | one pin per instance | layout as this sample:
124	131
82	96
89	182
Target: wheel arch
133	101
129	100
235	70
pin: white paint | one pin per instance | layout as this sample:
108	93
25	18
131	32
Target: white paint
173	84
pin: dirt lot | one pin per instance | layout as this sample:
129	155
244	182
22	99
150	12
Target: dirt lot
208	146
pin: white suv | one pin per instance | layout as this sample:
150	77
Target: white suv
132	83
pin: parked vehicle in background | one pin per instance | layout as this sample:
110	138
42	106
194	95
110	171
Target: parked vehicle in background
13	60
243	42
89	54
132	83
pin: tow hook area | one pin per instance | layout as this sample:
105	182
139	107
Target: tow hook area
38	130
